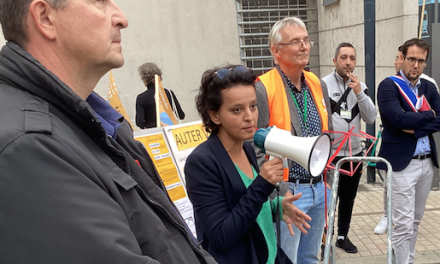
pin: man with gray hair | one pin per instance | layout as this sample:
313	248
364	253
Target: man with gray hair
75	186
296	100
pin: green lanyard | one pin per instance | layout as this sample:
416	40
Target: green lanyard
305	107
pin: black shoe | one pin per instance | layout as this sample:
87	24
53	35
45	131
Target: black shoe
346	245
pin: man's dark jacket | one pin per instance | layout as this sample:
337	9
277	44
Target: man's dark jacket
68	192
398	146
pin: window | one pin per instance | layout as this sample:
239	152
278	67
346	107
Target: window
256	18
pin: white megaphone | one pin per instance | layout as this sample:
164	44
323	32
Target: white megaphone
312	153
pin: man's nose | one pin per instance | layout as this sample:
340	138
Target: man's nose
119	19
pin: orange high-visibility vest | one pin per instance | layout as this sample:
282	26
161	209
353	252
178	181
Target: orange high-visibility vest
279	107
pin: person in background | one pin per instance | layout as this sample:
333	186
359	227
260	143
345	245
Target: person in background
145	102
296	100
228	190
408	144
350	104
381	227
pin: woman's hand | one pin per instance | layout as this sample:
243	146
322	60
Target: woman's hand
272	170
292	215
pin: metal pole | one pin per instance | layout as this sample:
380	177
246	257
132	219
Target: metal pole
370	66
332	208
421	19
390	248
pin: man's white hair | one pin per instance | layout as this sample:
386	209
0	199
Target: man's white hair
275	35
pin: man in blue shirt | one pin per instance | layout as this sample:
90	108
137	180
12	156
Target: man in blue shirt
407	143
75	186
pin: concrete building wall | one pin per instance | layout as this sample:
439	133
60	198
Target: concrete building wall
341	22
396	22
184	38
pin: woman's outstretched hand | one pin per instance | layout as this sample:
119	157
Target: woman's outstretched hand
292	215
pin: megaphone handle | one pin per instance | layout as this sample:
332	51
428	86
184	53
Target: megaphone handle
285	161
286	165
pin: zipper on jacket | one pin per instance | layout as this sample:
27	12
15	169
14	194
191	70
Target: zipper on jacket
189	237
162	185
183	229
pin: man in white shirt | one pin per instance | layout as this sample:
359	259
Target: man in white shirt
350	104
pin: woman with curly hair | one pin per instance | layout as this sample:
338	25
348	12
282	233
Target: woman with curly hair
145	103
230	194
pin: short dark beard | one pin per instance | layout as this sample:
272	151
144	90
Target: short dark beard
411	79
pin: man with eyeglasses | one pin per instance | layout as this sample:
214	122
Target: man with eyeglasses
350	104
381	227
398	64
296	100
407	143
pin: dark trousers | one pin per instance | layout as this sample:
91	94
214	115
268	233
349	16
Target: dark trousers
347	193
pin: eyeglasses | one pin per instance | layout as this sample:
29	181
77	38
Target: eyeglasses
298	42
221	73
412	61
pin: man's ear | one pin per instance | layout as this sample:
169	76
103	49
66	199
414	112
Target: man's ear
334	61
41	18
214	117
275	51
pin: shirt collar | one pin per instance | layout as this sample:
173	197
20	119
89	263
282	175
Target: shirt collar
303	80
110	118
339	77
410	84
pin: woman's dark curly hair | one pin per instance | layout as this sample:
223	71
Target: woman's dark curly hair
210	97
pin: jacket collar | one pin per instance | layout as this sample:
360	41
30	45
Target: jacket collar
228	165
19	69
339	78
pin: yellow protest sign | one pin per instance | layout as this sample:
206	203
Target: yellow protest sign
169	163
177	193
189	136
161	156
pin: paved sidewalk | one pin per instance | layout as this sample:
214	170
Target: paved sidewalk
372	248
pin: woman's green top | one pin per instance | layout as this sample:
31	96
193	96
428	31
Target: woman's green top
264	218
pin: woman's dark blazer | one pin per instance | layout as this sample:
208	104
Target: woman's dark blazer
225	211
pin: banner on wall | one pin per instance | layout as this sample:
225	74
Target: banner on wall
113	98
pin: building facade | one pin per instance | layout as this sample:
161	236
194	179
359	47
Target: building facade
184	38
